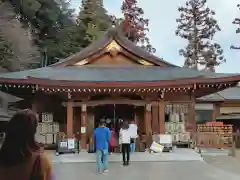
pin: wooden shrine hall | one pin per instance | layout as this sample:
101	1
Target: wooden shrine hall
113	75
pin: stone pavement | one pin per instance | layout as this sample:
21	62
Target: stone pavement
238	153
185	170
176	155
215	152
225	163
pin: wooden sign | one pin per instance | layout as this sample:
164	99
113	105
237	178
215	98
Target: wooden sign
214	123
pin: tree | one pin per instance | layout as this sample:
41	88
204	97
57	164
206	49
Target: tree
17	49
48	20
135	25
198	26
236	22
6	54
63	41
92	20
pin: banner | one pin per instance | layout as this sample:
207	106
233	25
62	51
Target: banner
155	147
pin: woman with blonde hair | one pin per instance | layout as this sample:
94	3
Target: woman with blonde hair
20	156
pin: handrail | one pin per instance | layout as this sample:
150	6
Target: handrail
236	139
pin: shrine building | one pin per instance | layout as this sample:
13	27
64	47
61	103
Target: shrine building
113	78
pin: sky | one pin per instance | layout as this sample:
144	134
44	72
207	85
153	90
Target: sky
162	15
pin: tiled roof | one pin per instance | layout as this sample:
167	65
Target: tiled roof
232	93
8	97
110	74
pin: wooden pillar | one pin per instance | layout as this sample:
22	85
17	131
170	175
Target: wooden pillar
216	112
135	115
90	129
148	124
69	119
83	127
34	107
141	122
192	117
155	121
161	116
148	119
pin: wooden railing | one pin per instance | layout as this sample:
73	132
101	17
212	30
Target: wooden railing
213	140
236	139
223	140
216	140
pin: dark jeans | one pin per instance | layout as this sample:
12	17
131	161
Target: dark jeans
110	149
126	151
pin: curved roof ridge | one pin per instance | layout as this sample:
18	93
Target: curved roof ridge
113	33
124	41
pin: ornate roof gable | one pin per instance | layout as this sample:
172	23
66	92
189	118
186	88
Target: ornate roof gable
113	43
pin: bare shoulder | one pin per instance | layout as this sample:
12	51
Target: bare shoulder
46	163
46	166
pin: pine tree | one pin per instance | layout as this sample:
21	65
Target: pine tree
237	22
93	19
135	25
198	26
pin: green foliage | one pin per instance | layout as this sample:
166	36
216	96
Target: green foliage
92	20
69	42
53	27
198	26
48	21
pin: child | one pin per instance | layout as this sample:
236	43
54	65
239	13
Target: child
112	142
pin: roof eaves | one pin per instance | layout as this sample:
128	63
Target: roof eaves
47	81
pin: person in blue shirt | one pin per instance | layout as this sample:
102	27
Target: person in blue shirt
102	136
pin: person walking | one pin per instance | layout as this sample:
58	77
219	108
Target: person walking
124	140
134	135
102	137
20	156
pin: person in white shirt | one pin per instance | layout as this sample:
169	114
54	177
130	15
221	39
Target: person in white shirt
133	130
124	140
